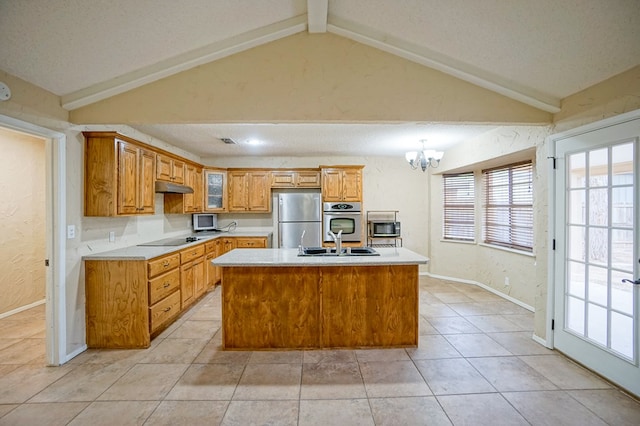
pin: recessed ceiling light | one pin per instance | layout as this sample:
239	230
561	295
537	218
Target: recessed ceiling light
254	142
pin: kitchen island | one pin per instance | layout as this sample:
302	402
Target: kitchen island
275	299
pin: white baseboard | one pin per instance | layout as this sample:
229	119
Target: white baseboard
484	286
540	340
22	308
75	353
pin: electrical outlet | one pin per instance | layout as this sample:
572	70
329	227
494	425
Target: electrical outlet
506	282
71	232
112	237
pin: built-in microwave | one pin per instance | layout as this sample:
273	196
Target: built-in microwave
384	229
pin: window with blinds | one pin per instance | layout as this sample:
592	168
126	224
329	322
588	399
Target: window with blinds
508	206
459	207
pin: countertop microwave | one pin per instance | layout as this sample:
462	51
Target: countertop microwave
384	229
205	222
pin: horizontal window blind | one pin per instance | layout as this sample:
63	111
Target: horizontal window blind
459	210
508	206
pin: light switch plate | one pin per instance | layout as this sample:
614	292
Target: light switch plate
71	232
112	237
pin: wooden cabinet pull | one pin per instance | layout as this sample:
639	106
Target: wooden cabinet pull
166	285
165	264
167	310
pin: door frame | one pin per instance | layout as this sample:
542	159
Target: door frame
55	242
551	273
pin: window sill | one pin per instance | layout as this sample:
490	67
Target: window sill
444	240
510	250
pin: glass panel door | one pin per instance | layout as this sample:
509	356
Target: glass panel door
596	258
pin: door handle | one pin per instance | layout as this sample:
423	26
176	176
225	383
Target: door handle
636	282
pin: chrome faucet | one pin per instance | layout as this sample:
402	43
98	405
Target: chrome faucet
301	246
338	240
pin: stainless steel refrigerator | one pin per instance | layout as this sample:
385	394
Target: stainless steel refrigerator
297	213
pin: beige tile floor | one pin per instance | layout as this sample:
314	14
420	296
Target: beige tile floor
476	364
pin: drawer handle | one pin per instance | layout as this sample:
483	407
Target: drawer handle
165	264
167	310
167	285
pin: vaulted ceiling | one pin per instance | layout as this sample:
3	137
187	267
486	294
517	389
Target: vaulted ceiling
534	52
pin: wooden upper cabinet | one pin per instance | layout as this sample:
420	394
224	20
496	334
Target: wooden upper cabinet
187	203
136	192
249	191
295	179
342	183
119	176
169	169
215	190
193	178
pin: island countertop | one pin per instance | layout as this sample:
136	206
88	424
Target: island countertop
289	257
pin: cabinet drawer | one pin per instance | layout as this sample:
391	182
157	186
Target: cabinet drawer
191	253
163	285
251	243
163	264
164	310
210	246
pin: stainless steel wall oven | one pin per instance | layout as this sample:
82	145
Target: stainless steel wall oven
345	217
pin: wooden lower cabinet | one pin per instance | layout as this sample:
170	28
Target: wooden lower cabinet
192	274
163	312
320	307
251	242
128	302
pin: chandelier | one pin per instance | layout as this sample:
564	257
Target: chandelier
424	158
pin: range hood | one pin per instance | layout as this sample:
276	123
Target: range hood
174	188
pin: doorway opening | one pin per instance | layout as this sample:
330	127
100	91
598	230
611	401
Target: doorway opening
48	231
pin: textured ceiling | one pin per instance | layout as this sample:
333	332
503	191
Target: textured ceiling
534	51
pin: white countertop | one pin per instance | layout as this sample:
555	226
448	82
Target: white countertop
149	252
289	257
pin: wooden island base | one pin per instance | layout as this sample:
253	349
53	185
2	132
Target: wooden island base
288	307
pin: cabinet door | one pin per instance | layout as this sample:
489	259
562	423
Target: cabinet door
127	178
238	191
187	281
259	192
219	244
331	185
190	180
164	168
177	171
197	191
351	185
215	191
199	277
285	179
308	179
136	171
146	184
169	169
228	244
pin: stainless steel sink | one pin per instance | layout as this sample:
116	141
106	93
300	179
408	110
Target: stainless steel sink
346	251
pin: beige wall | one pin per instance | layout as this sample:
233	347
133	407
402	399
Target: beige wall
388	184
309	78
22	220
487	265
